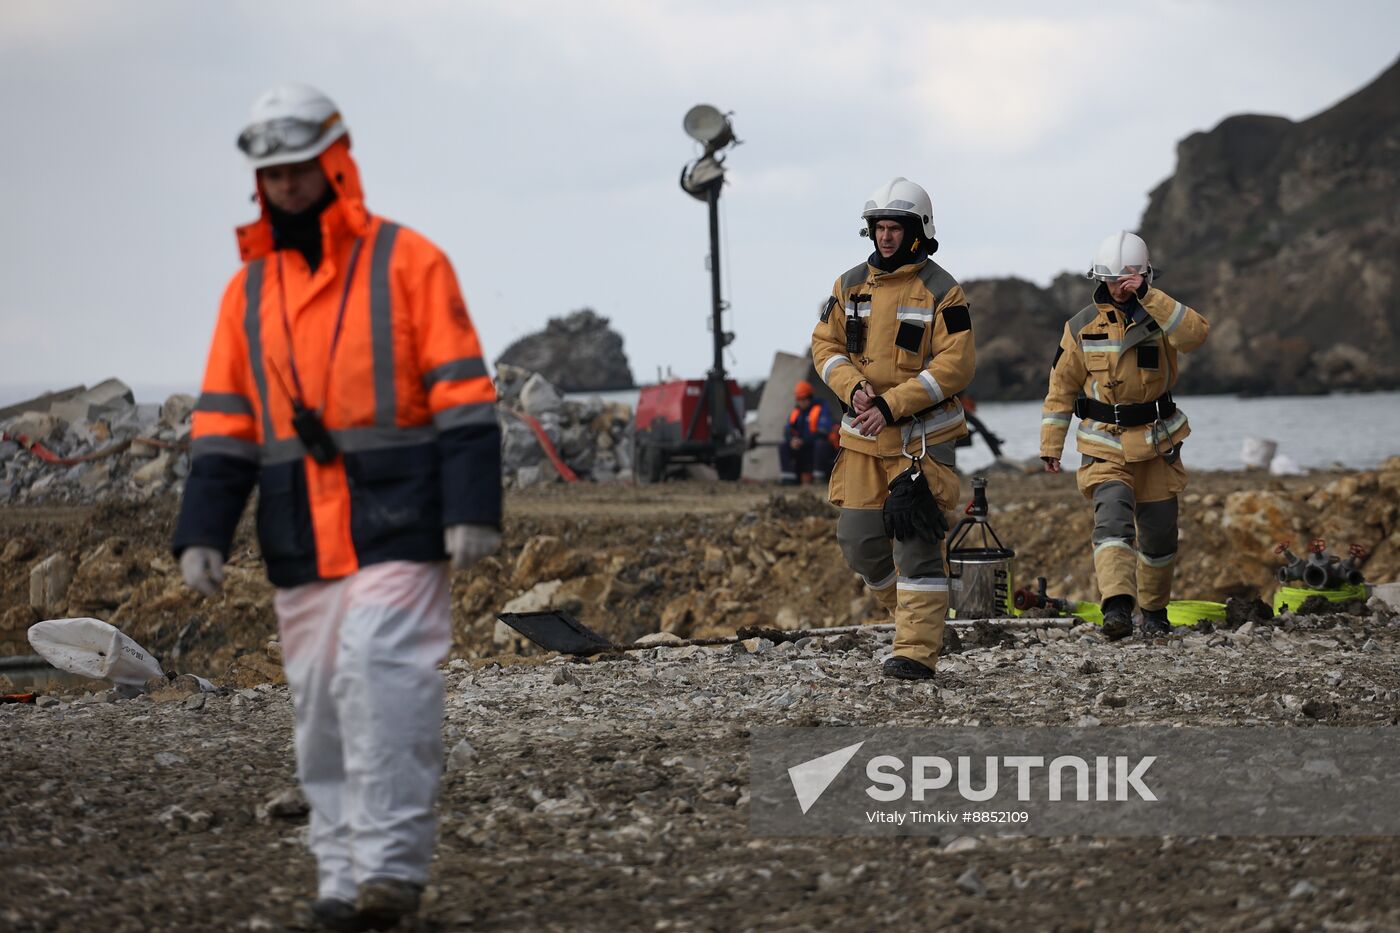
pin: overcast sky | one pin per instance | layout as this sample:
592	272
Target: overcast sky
539	144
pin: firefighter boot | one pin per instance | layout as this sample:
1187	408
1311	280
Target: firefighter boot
332	913
1117	617
385	901
1155	623
906	669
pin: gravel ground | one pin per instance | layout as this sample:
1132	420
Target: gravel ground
613	794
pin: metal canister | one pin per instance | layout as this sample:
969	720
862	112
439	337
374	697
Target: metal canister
980	571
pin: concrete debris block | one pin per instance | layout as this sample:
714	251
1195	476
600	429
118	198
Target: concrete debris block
49	582
177	409
45	702
143	448
40	427
1387	593
154	472
108	397
538	396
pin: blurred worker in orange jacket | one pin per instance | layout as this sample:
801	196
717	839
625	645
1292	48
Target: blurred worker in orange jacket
346	382
806	453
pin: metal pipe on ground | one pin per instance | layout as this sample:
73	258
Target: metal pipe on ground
558	631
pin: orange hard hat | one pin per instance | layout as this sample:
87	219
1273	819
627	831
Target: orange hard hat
803	389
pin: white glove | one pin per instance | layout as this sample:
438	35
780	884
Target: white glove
203	569
468	544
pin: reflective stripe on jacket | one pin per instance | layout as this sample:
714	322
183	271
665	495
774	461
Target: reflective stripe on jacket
917	355
1119	356
405	395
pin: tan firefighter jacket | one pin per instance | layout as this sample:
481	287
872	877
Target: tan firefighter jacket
1120	357
917	353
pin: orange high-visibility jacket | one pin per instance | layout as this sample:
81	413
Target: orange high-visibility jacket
405	394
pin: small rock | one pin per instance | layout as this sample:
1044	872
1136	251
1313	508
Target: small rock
1304	888
177	819
44	702
289	804
168	760
462	756
1088	722
1111	701
971	882
656	639
194	701
564	676
962	844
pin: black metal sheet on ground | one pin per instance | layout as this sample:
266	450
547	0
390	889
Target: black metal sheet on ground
557	631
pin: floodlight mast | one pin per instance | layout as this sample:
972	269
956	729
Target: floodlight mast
702	179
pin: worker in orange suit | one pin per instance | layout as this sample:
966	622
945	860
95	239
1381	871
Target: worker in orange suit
346	382
806	453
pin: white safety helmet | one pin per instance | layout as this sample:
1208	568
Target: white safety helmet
899	199
1121	254
290	123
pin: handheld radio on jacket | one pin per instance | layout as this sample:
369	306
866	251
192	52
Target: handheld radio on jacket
855	325
309	427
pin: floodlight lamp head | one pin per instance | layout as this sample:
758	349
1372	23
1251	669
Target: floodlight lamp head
706	125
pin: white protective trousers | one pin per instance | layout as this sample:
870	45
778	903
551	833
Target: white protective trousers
361	656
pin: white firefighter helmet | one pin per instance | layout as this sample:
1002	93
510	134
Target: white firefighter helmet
290	123
899	199
1121	254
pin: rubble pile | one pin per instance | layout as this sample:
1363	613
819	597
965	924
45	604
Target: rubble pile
102	446
106	447
592	437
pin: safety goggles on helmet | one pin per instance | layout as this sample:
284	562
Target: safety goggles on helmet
285	134
1103	274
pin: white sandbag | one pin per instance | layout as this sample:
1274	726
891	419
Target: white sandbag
1257	454
93	648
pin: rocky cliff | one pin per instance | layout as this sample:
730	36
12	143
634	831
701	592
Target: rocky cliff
1285	235
577	353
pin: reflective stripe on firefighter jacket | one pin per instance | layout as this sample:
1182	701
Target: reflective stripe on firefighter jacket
405	394
916	355
1120	356
815	423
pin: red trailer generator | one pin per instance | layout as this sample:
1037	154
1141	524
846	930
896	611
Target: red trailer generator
673	426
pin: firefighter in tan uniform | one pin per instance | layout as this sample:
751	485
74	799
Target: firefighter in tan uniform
895	344
1114	369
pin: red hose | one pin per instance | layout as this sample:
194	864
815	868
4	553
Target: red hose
48	456
546	445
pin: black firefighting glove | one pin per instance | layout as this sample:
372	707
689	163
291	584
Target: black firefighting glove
910	509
